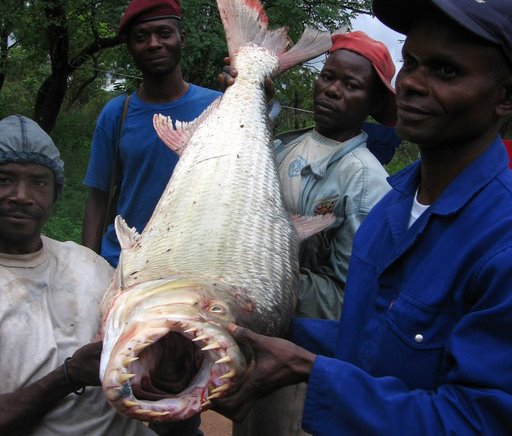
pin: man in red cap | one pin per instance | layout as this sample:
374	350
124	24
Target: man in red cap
423	343
329	169
155	40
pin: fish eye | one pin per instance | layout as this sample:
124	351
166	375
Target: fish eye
217	309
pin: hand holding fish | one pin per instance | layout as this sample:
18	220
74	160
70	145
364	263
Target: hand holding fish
275	363
84	366
23	409
229	74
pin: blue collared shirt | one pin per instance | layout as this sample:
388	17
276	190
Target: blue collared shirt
424	343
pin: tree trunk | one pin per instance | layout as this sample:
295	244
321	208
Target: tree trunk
50	95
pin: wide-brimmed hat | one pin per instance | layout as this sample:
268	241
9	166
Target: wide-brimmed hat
380	58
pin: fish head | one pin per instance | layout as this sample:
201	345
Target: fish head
167	350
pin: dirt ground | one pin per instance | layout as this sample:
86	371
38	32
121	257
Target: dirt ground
213	424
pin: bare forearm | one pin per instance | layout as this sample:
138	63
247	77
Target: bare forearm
22	410
94	219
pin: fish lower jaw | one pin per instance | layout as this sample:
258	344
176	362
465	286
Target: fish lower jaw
139	380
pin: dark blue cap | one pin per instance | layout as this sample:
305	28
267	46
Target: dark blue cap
491	20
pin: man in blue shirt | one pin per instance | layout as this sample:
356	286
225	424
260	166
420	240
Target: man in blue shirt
423	344
154	37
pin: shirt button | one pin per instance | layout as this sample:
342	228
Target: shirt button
418	338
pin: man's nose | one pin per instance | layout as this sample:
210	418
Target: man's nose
21	192
334	90
154	40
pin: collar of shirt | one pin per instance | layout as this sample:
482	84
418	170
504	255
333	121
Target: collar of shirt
471	180
319	167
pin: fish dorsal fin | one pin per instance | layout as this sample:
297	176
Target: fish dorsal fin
128	237
178	138
307	226
312	43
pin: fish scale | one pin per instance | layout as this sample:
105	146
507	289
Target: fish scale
229	161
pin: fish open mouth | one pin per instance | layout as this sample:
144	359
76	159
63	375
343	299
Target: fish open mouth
169	369
171	365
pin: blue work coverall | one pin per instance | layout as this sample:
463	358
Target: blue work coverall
424	345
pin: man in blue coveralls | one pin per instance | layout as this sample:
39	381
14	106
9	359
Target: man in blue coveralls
423	344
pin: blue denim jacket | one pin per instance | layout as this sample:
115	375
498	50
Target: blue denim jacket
348	184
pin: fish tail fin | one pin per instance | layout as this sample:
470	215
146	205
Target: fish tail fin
246	22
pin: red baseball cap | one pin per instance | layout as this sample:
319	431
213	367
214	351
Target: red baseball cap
141	11
378	55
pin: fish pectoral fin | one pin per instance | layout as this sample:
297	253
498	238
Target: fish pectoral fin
128	237
177	138
307	226
311	44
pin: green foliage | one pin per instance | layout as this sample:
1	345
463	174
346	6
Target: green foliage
406	154
66	222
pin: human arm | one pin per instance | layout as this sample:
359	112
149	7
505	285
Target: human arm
468	390
23	409
274	363
94	219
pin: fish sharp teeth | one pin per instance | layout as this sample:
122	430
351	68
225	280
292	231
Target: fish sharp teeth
125	377
200	338
228	375
221	388
129	360
212	346
155	413
206	403
214	396
142	411
191	330
225	359
138	348
129	403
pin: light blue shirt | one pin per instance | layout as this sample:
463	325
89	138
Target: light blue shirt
348	184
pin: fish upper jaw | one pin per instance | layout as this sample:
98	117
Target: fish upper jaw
138	385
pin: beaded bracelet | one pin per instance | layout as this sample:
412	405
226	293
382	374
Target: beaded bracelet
79	391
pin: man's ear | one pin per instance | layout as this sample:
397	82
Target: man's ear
504	106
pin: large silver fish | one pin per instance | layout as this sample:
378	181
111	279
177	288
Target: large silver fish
219	248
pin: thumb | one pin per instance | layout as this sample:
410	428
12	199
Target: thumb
242	335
